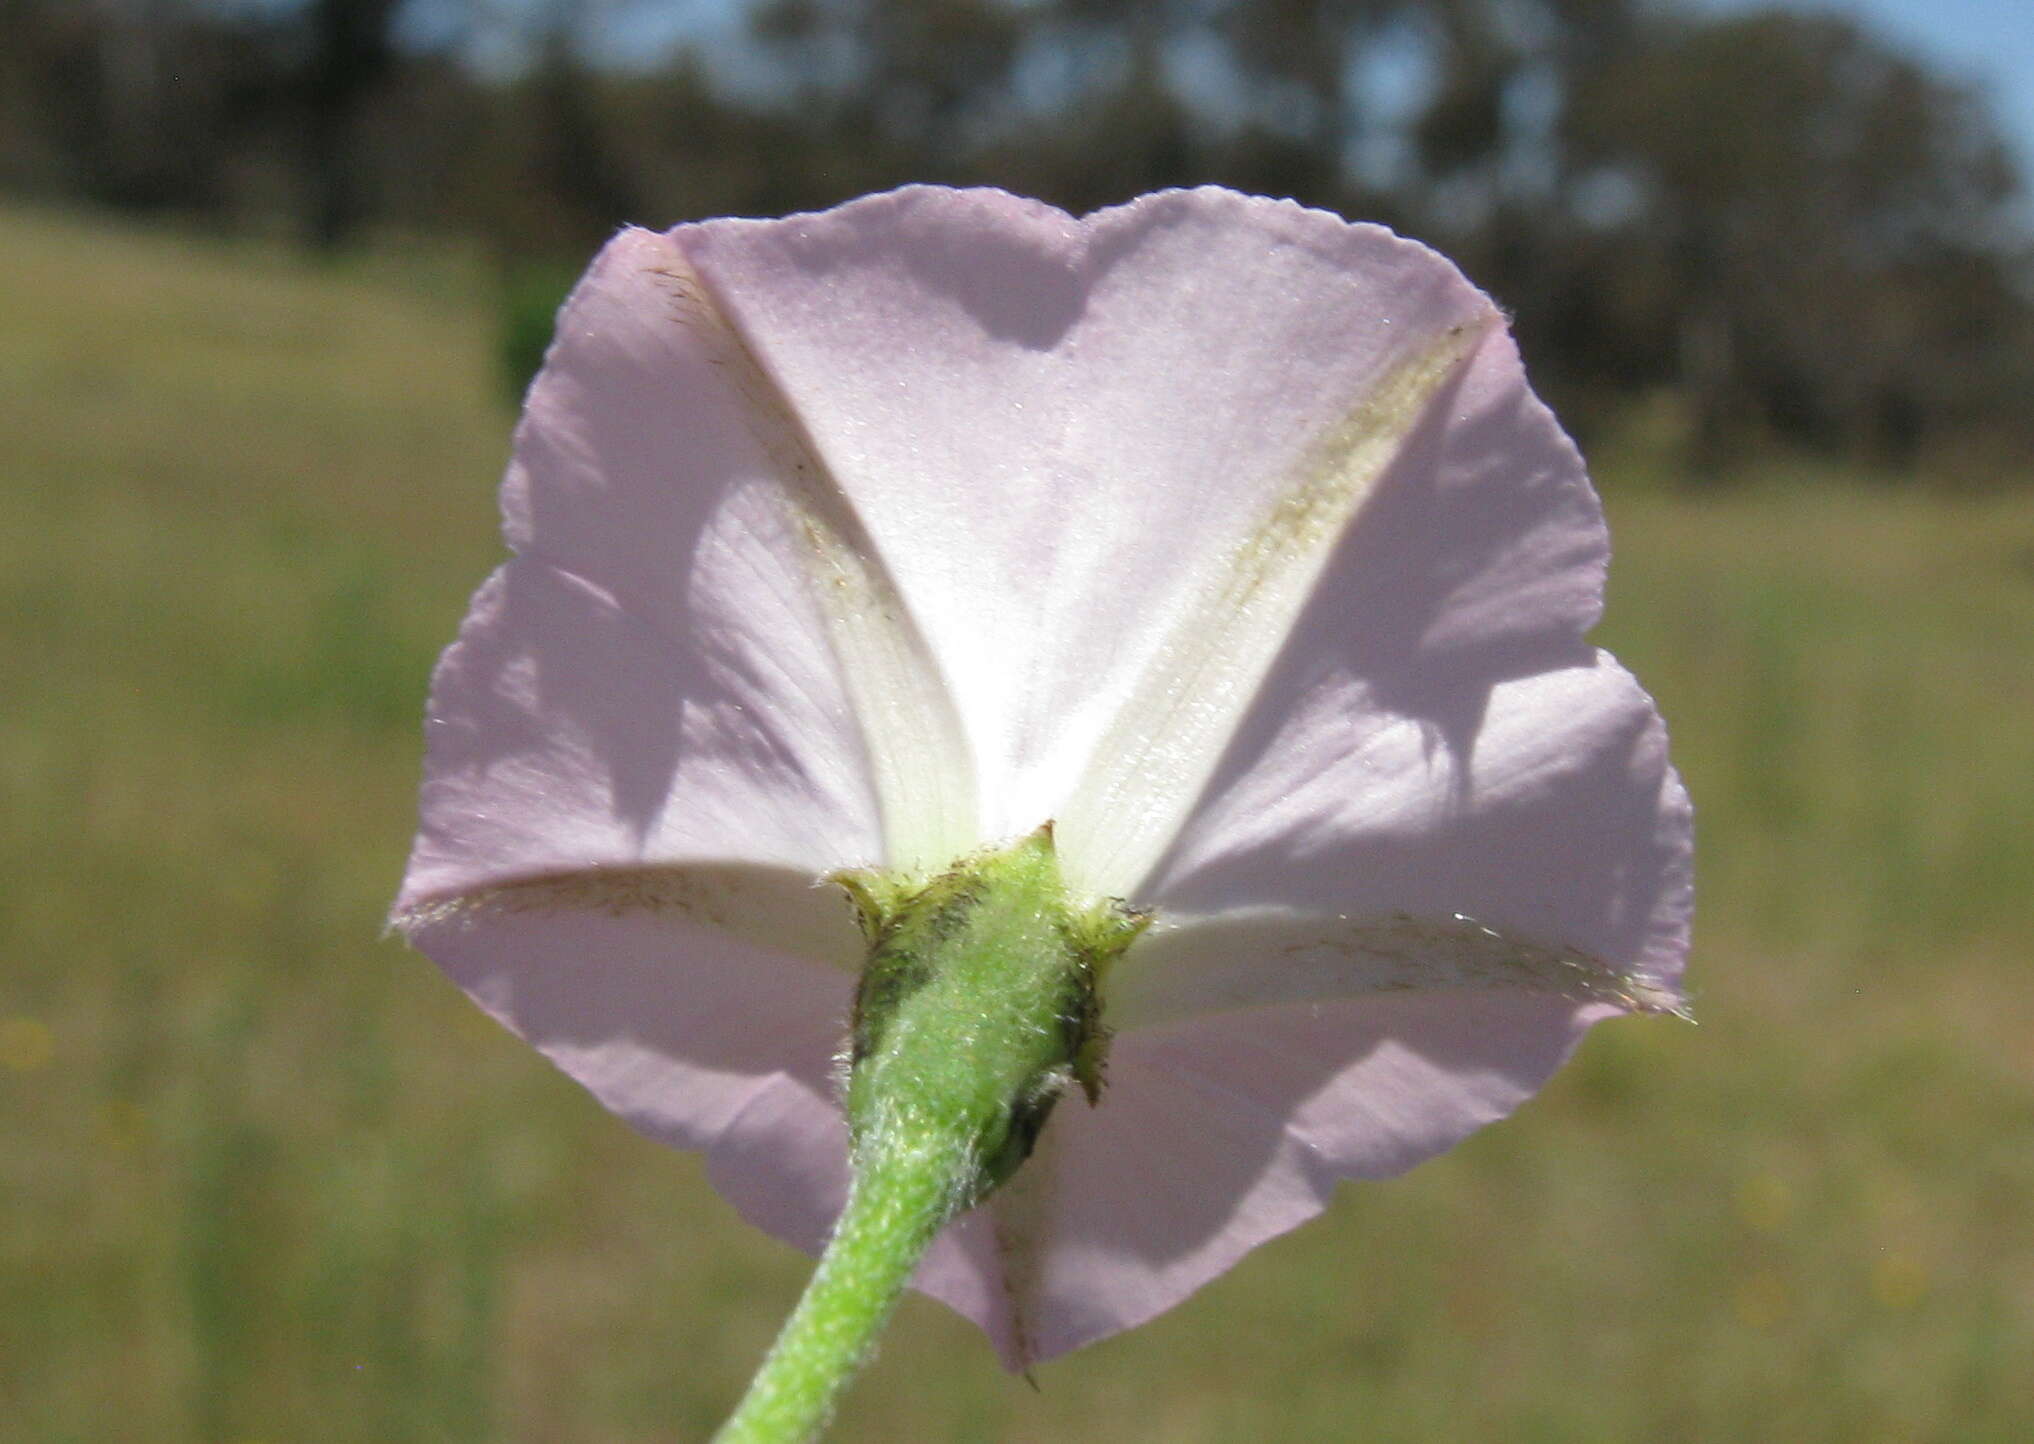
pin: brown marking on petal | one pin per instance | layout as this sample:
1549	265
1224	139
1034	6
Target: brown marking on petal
770	907
912	733
1017	1214
1167	739
1193	967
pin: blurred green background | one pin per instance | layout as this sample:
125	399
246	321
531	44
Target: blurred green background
269	1178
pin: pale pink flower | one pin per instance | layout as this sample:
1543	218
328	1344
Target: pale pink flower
1222	533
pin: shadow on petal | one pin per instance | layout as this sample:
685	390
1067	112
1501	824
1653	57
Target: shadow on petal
649	676
1216	1136
1575	833
1478	559
674	1026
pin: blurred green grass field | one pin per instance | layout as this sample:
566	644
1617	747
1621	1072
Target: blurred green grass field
268	1177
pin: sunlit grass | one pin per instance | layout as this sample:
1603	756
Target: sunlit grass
269	1178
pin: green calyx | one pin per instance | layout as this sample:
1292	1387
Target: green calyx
980	1003
979	1006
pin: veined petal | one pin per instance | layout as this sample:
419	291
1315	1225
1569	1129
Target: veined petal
675	1026
1189	967
1164	741
914	746
1222	532
683	663
1542	808
1082	444
1214	1138
1370	945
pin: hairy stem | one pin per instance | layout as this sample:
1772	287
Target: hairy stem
977	1008
903	1193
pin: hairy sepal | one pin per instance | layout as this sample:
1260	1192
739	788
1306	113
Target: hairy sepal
979	1005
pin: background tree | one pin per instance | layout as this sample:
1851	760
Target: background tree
349	51
1795	233
1829	230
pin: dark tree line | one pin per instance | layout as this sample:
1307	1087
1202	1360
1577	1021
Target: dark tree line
1791	230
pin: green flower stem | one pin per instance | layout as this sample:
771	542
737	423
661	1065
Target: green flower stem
979	1005
900	1199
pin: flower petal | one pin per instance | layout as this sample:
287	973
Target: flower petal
699	1041
1212	1139
1336	877
675	1026
569	733
1068	438
1224	532
1263	957
659	676
1541	807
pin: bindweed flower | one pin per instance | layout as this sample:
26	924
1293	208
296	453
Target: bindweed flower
851	550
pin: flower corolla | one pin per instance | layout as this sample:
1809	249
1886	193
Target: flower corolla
1219	533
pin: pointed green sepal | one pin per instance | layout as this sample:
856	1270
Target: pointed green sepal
981	1000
